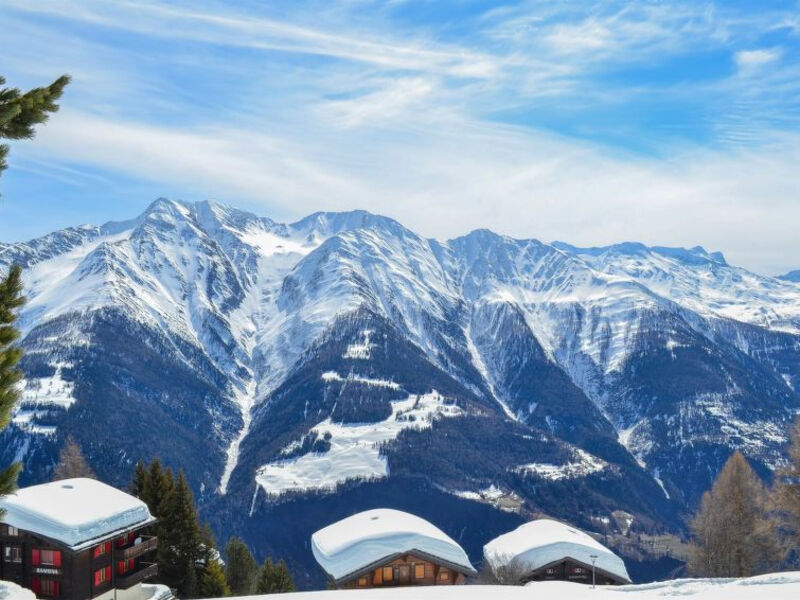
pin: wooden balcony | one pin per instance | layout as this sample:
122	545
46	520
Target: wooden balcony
147	544
145	571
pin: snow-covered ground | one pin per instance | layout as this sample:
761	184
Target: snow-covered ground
583	464
776	586
354	448
11	591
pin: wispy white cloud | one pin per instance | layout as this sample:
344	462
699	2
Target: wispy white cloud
339	107
748	60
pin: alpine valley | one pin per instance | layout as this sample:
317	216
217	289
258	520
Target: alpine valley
301	372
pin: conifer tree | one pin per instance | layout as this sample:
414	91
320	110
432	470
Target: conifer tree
20	112
274	578
181	540
733	537
72	462
212	580
10	301
139	483
241	568
787	496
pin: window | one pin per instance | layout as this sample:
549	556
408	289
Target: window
102	549
388	573
419	571
362	582
377	578
123	566
101	576
444	576
577	570
11	531
551	571
45	587
50	558
12	554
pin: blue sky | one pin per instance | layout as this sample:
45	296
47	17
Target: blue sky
673	123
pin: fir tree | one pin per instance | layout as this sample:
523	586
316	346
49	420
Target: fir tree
733	537
19	112
72	462
10	301
157	486
274	578
212	580
241	568
181	540
139	483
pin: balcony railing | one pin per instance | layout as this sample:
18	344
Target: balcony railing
147	544
145	571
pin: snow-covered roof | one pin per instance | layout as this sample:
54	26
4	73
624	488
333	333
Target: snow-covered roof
544	541
357	542
75	512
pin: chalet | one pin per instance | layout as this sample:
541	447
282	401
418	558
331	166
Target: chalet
76	539
388	548
545	550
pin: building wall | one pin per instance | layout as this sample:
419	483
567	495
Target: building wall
408	570
570	571
75	575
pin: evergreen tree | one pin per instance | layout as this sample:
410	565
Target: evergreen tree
241	568
787	496
733	537
156	487
274	578
10	301
139	483
72	462
181	540
212	580
190	587
19	112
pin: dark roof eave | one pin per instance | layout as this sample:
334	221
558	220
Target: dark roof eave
95	540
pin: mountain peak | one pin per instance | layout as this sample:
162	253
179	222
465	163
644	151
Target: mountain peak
793	276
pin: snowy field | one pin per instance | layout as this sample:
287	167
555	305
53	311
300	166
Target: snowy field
354	448
778	586
11	591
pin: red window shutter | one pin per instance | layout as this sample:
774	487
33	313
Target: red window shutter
37	585
130	564
56	588
57	558
108	573
35	556
108	547
120	566
97	578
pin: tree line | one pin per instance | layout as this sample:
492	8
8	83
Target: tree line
744	527
188	561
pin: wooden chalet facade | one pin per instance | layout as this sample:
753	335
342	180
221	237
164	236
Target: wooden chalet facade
573	570
548	550
55	561
389	548
405	570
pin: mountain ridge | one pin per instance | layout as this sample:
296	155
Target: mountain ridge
347	343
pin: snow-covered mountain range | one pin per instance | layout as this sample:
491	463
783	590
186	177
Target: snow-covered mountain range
300	371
